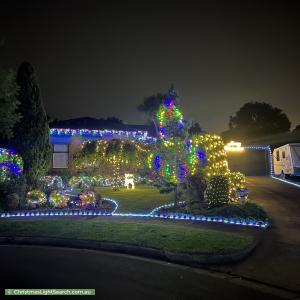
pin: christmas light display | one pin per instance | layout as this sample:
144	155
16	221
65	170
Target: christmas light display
112	159
103	134
237	181
234	146
36	198
129	181
88	198
52	182
11	164
58	199
184	217
217	191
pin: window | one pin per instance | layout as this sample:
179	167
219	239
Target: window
277	155
60	157
283	154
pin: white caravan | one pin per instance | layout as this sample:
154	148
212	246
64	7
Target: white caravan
287	160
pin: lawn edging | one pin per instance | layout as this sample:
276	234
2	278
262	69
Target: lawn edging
180	258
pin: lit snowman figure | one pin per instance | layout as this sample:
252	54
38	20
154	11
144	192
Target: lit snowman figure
243	194
129	182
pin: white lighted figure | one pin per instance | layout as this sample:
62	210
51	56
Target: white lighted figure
129	182
234	146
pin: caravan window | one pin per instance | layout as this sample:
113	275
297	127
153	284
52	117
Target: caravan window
277	155
283	154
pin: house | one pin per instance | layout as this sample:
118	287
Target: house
67	141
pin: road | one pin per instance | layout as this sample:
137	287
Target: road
116	276
277	259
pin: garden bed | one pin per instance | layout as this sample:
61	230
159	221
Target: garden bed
248	211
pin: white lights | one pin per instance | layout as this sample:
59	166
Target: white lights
234	146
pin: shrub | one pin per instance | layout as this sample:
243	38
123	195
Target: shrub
58	199
88	198
196	186
237	181
217	191
36	198
50	183
12	193
81	182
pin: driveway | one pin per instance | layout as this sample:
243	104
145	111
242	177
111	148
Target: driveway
277	260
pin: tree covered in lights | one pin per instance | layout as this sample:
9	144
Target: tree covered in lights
171	162
187	158
112	159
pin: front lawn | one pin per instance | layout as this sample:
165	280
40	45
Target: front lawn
175	238
140	200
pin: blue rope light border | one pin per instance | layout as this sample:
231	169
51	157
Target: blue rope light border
152	214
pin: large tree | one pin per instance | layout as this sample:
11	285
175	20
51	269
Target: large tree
8	104
259	119
150	106
31	134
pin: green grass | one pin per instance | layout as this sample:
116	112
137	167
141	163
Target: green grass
140	200
168	237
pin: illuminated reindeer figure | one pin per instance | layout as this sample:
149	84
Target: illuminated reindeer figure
129	182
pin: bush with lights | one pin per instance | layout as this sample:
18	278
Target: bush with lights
58	199
50	183
36	198
81	182
111	159
88	198
194	166
11	164
217	191
237	181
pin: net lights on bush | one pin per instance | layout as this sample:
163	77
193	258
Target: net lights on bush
58	199
36	198
88	198
11	164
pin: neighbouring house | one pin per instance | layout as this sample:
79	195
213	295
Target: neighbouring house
67	141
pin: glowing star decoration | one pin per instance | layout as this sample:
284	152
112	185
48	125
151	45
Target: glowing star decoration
234	146
11	164
58	199
129	181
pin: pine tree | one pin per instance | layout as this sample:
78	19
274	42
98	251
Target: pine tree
31	134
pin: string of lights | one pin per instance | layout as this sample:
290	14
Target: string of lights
152	214
102	134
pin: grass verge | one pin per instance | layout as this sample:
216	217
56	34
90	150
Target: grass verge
167	237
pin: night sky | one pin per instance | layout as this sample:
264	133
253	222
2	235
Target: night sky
101	60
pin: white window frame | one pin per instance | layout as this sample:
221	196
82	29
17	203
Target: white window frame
66	152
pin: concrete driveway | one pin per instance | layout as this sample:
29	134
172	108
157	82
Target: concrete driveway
277	260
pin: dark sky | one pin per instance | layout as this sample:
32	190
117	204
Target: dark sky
102	60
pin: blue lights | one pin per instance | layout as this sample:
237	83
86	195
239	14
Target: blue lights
153	214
